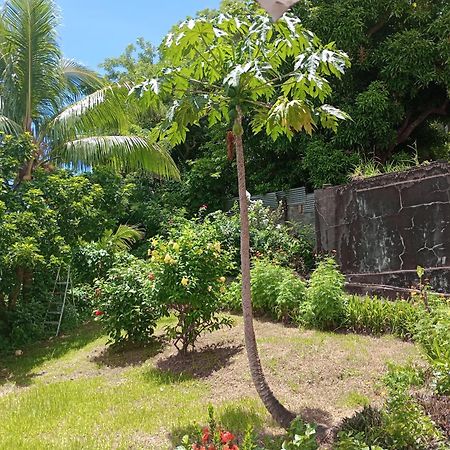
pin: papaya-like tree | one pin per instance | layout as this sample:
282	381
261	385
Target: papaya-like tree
72	115
251	73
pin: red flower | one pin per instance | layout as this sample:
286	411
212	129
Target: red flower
151	276
205	435
230	447
97	313
198	447
226	436
212	447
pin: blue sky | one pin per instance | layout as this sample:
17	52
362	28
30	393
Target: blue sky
93	30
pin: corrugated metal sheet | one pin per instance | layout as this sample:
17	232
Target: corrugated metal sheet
310	203
296	196
271	200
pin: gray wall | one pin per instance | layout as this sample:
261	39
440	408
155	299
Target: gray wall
382	228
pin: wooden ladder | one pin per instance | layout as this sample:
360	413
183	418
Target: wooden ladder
61	290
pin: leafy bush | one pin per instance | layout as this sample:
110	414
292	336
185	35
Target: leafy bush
276	291
284	244
126	306
325	299
189	279
401	425
301	436
405	425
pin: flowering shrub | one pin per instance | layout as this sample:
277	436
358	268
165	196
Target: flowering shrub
188	277
300	436
125	304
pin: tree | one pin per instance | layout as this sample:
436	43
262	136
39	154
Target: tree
73	116
136	63
244	68
400	77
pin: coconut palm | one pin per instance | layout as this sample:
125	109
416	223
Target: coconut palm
74	117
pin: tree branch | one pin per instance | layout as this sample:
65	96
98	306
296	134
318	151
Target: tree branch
407	128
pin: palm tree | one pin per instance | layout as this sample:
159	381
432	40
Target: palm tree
74	117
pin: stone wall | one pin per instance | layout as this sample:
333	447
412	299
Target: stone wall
383	227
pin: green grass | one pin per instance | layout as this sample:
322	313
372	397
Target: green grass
71	402
76	392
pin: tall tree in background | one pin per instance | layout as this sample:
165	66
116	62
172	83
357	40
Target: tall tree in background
136	63
232	69
398	89
73	117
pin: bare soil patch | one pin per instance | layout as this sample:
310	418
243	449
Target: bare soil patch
322	376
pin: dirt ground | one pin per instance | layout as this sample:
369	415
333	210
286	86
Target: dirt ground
322	376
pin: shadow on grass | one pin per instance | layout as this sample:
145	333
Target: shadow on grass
17	369
200	363
129	354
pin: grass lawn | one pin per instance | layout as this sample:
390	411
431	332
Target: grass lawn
76	392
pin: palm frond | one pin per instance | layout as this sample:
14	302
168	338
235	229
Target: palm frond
123	239
121	152
79	79
31	54
8	126
101	110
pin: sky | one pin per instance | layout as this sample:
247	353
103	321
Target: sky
92	30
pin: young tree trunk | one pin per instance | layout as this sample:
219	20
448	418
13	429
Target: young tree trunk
275	408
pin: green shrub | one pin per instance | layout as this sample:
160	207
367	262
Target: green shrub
291	294
325	298
405	425
353	441
401	425
301	436
284	244
276	291
433	333
126	307
376	316
189	279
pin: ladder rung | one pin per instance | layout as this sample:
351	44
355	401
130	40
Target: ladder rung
62	282
54	312
51	322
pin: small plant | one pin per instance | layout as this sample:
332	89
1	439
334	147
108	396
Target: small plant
276	291
213	437
433	334
423	287
301	436
325	305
